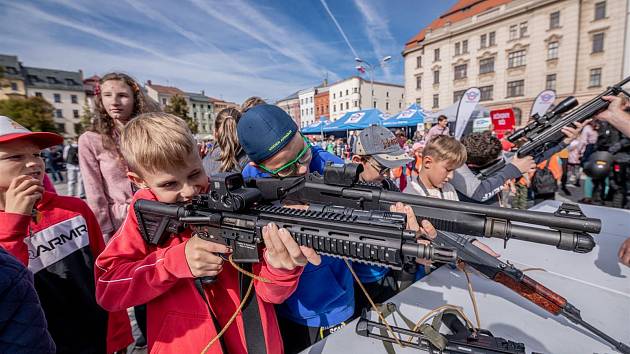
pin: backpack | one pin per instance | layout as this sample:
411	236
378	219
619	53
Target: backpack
543	181
73	156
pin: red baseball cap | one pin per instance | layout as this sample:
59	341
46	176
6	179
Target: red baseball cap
11	131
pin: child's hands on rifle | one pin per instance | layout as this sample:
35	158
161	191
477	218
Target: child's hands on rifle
427	230
624	252
525	164
283	252
202	258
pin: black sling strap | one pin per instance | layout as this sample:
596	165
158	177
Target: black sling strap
217	326
254	335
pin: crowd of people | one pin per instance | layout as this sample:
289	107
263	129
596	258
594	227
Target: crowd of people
88	263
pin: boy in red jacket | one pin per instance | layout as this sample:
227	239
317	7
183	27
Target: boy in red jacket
58	239
164	161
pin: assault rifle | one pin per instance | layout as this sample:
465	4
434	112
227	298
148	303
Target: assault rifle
232	215
523	285
462	340
567	228
543	132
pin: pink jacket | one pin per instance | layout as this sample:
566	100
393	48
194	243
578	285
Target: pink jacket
107	189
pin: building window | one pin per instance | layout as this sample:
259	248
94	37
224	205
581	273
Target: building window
486	65
387	94
516	59
436	101
523	30
552	50
347	92
334	108
418	82
436	77
516	88
399	105
483	41
387	106
436	54
550	83
460	71
486	93
347	105
457	95
419	101
419	62
518	114
334	96
14	86
595	78
58	113
57	98
164	101
356	103
491	39
465	47
355	90
61	128
513	32
75	113
598	43
374	104
600	10
311	110
74	99
38	94
340	94
51	80
11	70
554	20
457	49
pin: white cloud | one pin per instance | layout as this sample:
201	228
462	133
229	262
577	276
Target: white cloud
378	33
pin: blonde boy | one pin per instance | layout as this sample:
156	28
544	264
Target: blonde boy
440	157
164	162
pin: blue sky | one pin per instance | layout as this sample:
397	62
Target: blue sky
232	49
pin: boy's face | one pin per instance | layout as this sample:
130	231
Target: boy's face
438	172
180	184
17	158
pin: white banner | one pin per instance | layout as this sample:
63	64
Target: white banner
543	101
465	108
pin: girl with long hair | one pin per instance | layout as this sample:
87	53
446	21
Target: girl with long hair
226	154
118	99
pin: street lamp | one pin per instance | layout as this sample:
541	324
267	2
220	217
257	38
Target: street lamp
381	63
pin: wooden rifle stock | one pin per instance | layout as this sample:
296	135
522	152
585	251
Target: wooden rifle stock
534	292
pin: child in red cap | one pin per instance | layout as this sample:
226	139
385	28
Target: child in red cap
58	239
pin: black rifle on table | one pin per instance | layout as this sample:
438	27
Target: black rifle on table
461	340
566	229
232	215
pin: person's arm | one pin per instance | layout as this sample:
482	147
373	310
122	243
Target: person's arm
93	181
118	327
22	194
22	323
470	185
616	113
624	252
129	272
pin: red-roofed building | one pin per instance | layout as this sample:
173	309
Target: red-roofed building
513	49
162	94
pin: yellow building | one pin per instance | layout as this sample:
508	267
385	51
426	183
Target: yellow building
11	78
513	49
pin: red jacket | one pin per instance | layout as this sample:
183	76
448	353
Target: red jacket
129	273
59	245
